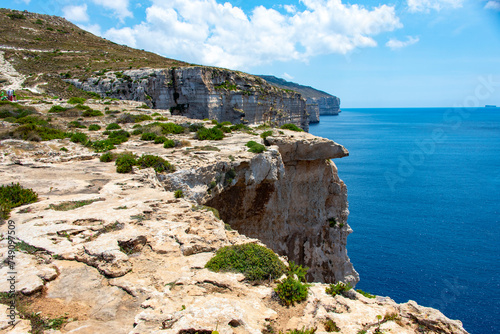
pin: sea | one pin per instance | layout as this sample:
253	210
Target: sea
424	200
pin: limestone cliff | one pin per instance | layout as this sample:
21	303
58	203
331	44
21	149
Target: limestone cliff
203	92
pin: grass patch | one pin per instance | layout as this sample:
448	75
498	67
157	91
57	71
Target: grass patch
57	109
290	126
76	100
366	294
255	147
71	205
12	196
338	289
113	126
254	261
209	134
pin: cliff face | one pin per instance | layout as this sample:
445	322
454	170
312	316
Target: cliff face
203	92
326	105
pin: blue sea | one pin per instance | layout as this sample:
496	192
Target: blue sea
424	200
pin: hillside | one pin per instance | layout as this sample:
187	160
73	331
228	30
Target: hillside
305	91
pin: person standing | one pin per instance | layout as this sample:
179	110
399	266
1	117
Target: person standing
10	94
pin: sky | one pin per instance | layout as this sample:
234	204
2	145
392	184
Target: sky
369	53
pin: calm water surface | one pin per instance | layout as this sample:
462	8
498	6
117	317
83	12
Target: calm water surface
424	201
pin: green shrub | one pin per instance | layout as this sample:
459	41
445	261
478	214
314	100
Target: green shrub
157	163
266	134
301	331
214	121
124	162
209	134
31	120
113	126
254	261
331	326
290	126
107	157
291	291
224	129
239	127
94	127
71	205
168	128
148	136
36	133
160	140
16	16
226	123
366	294
79	137
195	127
169	143
178	193
64	149
255	147
57	109
92	113
102	145
118	137
76	100
12	196
339	288
137	132
142	118
76	124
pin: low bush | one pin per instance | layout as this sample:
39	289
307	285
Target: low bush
107	157
125	162
338	289
94	127
255	147
79	137
301	331
76	124
160	140
168	128
118	137
142	118
366	294
31	119
76	100
209	134
148	136
36	133
195	127
92	113
137	132
266	134
157	163
254	261
169	143
239	127
57	109
178	193
290	126
102	145
291	291
12	196
113	126
331	326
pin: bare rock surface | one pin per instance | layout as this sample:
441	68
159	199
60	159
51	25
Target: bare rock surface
130	257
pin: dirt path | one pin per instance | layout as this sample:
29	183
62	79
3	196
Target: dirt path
8	72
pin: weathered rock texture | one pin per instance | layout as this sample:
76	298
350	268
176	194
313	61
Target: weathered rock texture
132	260
204	92
326	105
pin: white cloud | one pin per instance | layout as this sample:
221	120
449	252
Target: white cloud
122	36
427	5
287	76
395	44
204	31
76	13
290	9
493	4
119	7
93	28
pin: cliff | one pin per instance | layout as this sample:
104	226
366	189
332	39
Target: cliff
105	252
203	92
317	102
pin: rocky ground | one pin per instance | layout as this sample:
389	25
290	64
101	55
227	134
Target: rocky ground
127	256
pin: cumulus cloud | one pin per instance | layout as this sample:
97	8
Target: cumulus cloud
93	28
396	44
76	13
119	7
427	5
493	4
287	76
204	31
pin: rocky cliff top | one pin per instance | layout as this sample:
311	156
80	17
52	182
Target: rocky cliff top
107	252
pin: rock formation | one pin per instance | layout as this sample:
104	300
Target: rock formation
204	92
127	256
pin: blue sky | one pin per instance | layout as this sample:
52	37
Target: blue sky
370	53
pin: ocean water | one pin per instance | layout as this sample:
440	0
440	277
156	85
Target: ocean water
424	200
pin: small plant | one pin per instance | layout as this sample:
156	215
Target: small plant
76	124
254	261
331	326
361	332
339	288
106	157
160	140
169	143
148	136
366	294
71	205
14	195
209	134
178	194
142	118
290	126
76	100
157	163
291	290
209	208
22	246
266	134
391	317
113	126
57	109
301	331
94	127
64	149
255	147
92	113
118	137
79	137
102	145
125	162
332	222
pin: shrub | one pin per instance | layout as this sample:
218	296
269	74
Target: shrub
94	127
195	127
148	136
169	143
92	113
157	163
113	126
290	126
64	149
266	134
124	162
31	120
331	326
102	145
226	123
106	157
178	193
209	134
76	100
142	118
339	288
57	109
255	147
76	124
239	127
14	195
366	294
118	137
170	127
17	16
291	291
301	331
224	129
160	140
36	133
71	205
137	132
254	261
79	137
